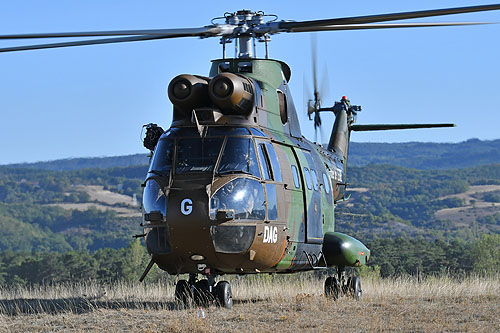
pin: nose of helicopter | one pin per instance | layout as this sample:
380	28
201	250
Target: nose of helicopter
188	224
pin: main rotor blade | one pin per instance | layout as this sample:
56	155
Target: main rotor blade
94	42
385	26
385	127
289	26
183	31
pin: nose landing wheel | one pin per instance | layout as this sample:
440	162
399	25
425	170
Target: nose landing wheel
204	292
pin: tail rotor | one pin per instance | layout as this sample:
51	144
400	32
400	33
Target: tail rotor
314	103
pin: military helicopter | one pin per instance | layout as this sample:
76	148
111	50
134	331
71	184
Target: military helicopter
233	187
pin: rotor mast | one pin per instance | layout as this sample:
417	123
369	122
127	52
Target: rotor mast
244	32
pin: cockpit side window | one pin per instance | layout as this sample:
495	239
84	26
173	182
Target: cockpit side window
265	163
163	157
239	157
257	132
274	162
269	164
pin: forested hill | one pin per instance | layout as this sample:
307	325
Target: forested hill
417	155
86	163
89	209
427	155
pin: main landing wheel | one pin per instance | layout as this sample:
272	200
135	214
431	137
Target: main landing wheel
223	294
332	288
342	285
355	288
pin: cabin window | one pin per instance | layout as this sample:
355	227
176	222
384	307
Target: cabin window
315	180
307	175
272	203
326	182
295	174
283	107
265	163
244	196
197	155
239	157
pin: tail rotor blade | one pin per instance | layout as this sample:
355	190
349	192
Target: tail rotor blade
314	67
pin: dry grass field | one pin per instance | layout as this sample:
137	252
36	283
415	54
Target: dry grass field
273	303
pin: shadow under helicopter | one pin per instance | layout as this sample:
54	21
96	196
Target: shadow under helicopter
81	305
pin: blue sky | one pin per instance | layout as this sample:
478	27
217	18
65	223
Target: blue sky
93	100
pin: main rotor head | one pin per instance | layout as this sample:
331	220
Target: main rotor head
246	27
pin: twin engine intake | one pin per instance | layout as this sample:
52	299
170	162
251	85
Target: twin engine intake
231	93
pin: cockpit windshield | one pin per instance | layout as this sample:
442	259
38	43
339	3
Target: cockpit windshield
197	155
239	157
190	153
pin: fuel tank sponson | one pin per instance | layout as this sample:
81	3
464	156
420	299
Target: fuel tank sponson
342	250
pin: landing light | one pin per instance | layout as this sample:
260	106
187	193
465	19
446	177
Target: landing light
197	257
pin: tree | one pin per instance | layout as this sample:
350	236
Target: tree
485	254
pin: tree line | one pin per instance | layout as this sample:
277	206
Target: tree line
390	257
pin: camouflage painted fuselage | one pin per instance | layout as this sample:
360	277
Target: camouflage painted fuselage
296	182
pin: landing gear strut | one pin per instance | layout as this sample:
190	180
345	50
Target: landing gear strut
339	285
204	292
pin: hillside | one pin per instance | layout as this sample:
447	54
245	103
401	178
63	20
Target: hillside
65	205
417	155
426	155
86	163
389	200
94	208
44	210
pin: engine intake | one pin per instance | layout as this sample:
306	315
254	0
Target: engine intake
233	94
188	91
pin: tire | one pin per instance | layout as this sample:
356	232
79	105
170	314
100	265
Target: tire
346	288
201	293
356	288
224	295
183	293
332	288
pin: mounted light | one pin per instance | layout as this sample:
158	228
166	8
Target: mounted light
197	257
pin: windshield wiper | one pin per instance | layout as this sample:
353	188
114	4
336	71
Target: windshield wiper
228	172
158	173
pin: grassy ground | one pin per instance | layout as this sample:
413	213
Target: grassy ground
260	304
